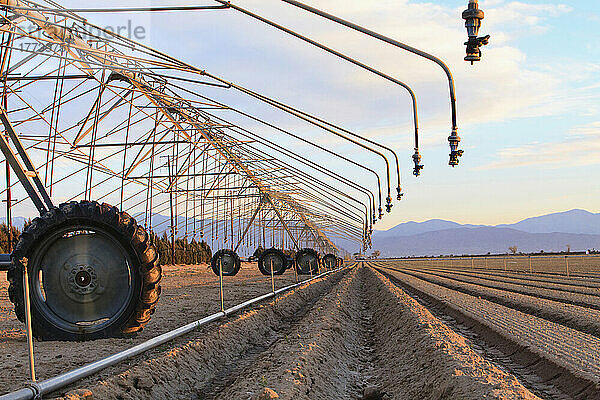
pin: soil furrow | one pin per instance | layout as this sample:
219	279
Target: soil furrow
522	281
572	316
541	375
332	336
588	300
350	336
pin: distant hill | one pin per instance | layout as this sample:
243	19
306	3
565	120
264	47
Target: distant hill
460	241
574	221
553	232
415	228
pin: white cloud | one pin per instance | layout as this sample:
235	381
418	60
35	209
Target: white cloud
504	86
580	148
521	18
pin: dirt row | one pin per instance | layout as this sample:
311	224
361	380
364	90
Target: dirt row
189	293
523	282
575	352
573	316
353	335
587	267
580	281
563	296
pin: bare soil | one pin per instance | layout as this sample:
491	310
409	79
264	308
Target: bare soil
572	351
189	293
352	335
588	265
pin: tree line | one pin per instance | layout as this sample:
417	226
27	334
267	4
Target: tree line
4	241
186	252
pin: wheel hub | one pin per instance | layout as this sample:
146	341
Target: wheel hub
92	283
227	262
82	279
273	261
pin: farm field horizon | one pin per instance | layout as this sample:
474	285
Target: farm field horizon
299	200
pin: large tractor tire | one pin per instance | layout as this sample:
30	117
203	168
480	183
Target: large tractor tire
93	273
307	262
272	258
330	261
228	260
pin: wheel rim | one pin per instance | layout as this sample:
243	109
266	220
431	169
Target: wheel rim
83	279
226	262
329	262
308	262
273	260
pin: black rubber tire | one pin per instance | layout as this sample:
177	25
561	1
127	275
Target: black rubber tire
330	261
266	270
214	263
303	269
124	229
340	262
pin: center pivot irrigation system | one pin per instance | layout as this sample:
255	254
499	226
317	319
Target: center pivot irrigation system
90	117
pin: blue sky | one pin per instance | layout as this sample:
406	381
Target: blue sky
529	113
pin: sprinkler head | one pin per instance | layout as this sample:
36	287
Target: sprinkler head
380	213
418	167
454	140
400	194
473	16
388	206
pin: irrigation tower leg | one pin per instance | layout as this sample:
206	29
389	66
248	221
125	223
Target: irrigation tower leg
28	322
221	284
248	226
283	223
295	273
272	278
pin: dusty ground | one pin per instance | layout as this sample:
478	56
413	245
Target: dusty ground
551	352
581	265
189	293
353	335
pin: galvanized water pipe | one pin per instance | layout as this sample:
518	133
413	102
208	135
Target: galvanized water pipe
40	388
454	139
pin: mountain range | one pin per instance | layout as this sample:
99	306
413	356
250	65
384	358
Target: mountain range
579	229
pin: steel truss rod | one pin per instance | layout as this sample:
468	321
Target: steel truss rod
260	139
24	173
320	168
453	139
286	109
118	10
318	187
359	64
310	164
46	77
243	236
